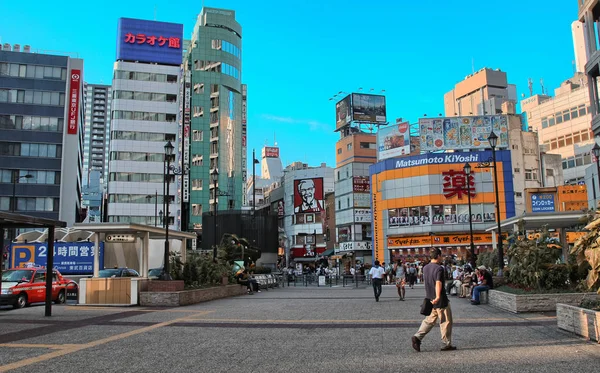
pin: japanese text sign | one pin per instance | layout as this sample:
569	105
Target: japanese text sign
542	202
73	102
455	184
69	257
149	41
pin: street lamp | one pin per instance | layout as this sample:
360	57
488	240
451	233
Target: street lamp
168	152
467	170
493	139
215	180
596	152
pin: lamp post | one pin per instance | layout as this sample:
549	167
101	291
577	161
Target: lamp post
467	170
254	163
596	152
215	180
493	139
168	152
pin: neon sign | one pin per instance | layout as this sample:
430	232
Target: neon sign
160	41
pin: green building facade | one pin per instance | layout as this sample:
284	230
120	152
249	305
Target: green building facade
218	115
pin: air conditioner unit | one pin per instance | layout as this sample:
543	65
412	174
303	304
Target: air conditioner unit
27	48
16	48
6	47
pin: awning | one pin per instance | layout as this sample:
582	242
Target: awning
563	219
327	252
305	259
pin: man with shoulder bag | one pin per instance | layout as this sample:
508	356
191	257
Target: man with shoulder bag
436	305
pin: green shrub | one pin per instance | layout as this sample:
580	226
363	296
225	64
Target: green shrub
200	270
488	259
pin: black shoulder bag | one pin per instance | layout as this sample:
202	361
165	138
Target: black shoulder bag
426	307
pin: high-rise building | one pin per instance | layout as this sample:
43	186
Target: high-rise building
96	137
578	32
483	92
144	115
218	134
41	117
589	15
271	172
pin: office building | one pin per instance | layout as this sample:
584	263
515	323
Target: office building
218	116
589	15
271	172
144	117
563	126
41	117
97	101
578	31
480	93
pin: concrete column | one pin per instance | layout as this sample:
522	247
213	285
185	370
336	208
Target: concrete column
145	254
494	240
183	250
565	244
96	254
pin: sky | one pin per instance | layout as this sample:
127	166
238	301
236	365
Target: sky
298	54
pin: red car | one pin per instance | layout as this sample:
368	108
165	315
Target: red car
23	286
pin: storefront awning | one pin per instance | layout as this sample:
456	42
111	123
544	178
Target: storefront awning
305	259
328	252
553	220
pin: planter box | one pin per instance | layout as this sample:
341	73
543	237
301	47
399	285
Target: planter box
186	297
580	321
534	302
165	286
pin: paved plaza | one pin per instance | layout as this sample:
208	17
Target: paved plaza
287	330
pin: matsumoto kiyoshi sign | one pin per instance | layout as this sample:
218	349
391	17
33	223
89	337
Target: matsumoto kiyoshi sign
432	159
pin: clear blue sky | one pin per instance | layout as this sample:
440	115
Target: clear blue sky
297	54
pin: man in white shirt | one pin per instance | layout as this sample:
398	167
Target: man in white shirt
377	272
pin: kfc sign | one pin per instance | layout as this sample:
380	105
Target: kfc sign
271	152
455	184
73	114
149	41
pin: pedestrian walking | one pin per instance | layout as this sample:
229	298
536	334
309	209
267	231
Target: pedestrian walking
377	272
412	275
400	271
434	277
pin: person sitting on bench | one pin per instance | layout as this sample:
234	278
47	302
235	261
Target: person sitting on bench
244	279
486	283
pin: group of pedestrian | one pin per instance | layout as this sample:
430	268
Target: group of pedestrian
466	283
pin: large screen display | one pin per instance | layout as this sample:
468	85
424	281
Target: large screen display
149	41
368	108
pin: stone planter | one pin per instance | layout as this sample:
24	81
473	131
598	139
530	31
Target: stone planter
186	297
534	302
165	286
580	321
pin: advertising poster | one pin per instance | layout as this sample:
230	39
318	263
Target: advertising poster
393	141
393	218
462	132
450	214
425	212
308	195
415	145
438	214
70	258
343	112
368	108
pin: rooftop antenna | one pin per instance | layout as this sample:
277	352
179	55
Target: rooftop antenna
473	65
542	84
274	139
530	85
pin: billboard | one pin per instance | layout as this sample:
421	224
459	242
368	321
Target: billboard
149	41
271	152
69	257
343	112
361	184
368	108
542	202
393	141
308	195
462	132
73	115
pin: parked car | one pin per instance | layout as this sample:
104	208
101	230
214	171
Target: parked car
24	286
118	272
154	273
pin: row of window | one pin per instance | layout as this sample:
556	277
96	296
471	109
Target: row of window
145	77
197	160
564	116
133	177
577	161
31	123
144	96
138	157
142	136
142	115
30	150
31	204
138	198
20	96
37	177
32	71
569	139
226	46
197	184
146	220
217	67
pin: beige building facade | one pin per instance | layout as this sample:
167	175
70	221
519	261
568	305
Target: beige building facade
483	92
563	125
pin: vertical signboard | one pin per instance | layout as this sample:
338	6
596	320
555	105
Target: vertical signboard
187	93
73	115
244	134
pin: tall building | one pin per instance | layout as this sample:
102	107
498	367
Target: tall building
578	31
41	117
218	116
563	126
96	137
481	93
144	113
589	15
271	172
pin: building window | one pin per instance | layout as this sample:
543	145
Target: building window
198	111
518	194
197	184
142	136
197	135
367	145
31	123
349	146
530	175
196	209
339	151
197	160
549	172
199	88
144	116
517	170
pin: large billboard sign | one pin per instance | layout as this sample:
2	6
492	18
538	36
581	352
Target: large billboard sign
343	112
271	152
308	195
462	132
542	202
368	108
73	116
149	41
69	257
393	141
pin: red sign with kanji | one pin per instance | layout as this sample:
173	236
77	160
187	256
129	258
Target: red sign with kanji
455	184
160	41
73	103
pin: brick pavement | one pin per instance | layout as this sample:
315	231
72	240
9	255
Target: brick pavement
291	329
